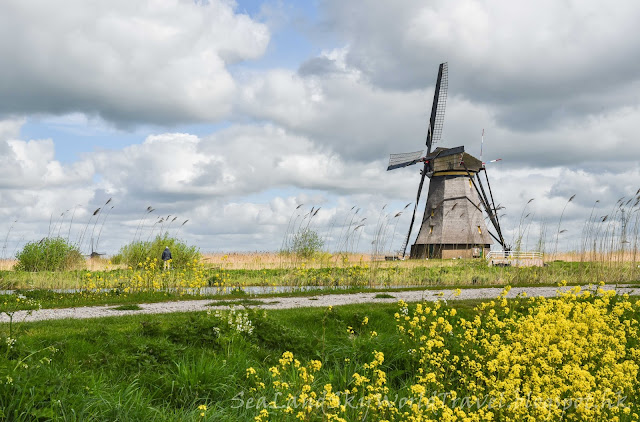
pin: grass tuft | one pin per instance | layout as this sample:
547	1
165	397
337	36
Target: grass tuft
129	307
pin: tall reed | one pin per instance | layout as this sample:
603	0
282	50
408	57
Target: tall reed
555	250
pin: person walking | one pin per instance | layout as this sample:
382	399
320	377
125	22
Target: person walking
166	258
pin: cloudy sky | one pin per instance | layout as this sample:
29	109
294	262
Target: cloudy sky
232	114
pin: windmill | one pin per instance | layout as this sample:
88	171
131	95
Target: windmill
453	224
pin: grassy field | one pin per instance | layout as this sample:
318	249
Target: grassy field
575	357
234	276
337	363
236	272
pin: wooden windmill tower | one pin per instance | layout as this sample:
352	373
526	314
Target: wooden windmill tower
453	224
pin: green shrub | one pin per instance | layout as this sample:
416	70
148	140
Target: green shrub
137	252
306	243
49	254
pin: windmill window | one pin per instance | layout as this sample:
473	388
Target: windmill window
479	230
430	229
470	184
432	211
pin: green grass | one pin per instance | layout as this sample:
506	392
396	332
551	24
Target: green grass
384	296
162	367
50	300
131	307
433	274
334	280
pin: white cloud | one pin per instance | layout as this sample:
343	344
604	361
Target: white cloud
238	161
10	128
130	62
596	195
31	165
209	181
530	59
166	163
553	84
214	181
340	111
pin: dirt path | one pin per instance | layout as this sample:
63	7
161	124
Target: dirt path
321	300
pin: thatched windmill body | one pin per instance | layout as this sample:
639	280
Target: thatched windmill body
453	224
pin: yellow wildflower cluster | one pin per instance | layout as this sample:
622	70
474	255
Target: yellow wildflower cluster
203	409
293	384
221	278
148	277
574	357
298	397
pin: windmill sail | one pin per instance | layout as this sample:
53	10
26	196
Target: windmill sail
436	122
434	132
404	159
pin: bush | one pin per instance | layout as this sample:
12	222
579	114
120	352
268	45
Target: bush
306	243
137	252
49	254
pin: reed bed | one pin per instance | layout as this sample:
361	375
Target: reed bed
608	252
228	274
575	256
7	264
266	260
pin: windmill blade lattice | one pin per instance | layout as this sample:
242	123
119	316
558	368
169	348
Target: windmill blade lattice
403	159
436	122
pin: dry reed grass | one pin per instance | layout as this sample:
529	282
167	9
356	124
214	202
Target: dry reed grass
7	264
92	264
572	256
266	260
101	264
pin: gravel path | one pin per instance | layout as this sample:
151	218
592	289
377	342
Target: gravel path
321	300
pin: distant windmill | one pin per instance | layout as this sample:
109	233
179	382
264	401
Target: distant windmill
455	185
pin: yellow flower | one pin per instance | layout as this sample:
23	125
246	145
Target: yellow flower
287	358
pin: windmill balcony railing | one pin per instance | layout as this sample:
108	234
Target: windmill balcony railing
515	258
515	255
